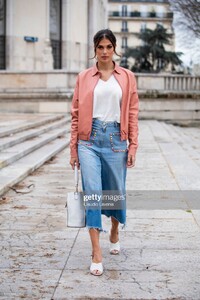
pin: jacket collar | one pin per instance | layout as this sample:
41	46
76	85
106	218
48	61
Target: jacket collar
95	70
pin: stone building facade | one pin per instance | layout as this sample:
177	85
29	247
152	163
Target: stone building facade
128	17
44	35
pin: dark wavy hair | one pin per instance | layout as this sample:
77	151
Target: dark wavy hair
104	34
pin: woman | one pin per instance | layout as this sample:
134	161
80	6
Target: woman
104	116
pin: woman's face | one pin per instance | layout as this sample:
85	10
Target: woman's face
104	51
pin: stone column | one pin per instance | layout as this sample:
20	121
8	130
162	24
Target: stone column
65	28
47	52
9	34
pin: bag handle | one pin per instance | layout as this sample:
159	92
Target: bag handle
76	177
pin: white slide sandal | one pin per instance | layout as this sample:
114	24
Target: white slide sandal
114	248
96	269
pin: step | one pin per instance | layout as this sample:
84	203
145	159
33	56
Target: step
20	137
37	94
18	151
27	125
13	174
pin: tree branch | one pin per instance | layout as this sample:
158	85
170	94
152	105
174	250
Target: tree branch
189	14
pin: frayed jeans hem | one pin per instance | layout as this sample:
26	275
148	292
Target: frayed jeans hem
96	228
123	226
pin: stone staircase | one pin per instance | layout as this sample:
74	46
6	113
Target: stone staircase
27	144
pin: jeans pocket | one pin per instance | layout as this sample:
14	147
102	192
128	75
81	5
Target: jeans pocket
116	144
90	142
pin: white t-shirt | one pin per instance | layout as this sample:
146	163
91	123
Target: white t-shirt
107	100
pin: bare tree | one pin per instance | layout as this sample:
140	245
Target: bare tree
188	12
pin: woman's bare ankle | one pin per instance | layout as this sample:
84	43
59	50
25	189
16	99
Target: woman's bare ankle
96	256
114	234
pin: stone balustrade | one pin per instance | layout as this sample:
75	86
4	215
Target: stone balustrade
181	83
66	80
166	82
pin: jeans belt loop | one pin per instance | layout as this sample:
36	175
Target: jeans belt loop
104	126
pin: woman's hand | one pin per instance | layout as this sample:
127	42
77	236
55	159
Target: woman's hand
130	161
73	161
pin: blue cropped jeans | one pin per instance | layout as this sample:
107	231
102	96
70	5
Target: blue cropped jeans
103	168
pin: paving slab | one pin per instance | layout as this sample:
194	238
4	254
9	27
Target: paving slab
148	285
40	258
185	169
28	284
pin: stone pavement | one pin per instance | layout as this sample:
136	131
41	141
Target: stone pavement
43	259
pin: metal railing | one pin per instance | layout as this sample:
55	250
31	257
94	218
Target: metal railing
140	1
124	29
137	14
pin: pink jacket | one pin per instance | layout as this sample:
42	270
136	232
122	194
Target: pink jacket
82	107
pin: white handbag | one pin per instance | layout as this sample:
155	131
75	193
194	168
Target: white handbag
75	206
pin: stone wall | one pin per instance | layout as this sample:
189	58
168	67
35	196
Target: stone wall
27	18
163	97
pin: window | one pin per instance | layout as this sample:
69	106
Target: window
142	29
160	12
124	26
143	10
124	10
124	42
2	34
143	26
55	32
